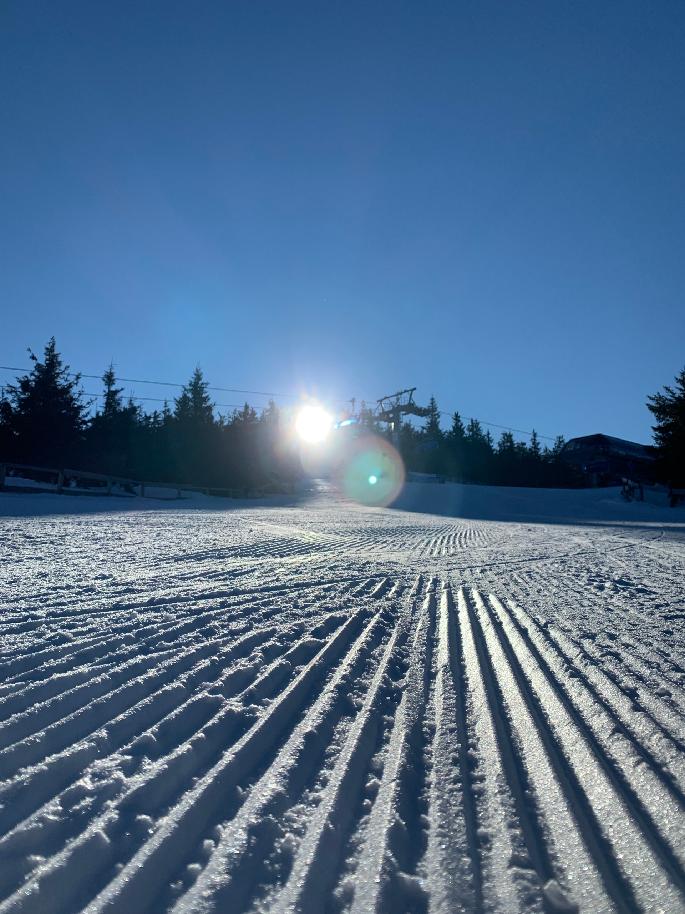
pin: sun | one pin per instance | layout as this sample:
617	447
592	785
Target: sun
313	424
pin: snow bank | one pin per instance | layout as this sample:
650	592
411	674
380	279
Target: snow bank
448	500
542	505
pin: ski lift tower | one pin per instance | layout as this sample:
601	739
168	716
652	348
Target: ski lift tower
392	407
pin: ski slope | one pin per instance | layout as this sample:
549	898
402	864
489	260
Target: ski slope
321	707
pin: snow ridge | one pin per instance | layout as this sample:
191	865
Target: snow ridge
343	710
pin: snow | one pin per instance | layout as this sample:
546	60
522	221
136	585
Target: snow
519	503
472	701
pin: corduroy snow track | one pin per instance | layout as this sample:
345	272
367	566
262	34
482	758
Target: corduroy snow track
329	708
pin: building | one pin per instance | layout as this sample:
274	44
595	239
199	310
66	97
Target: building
607	460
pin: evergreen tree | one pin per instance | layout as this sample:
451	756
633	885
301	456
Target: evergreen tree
457	433
455	447
193	434
156	453
557	447
474	432
479	455
247	416
668	409
431	429
505	460
432	440
44	412
521	449
506	444
534	448
112	397
194	406
112	437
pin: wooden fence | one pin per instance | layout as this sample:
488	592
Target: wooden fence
83	482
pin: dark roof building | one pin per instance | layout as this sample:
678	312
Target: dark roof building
608	460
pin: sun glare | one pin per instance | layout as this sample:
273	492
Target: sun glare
313	424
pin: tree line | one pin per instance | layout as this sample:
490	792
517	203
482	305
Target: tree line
45	419
468	453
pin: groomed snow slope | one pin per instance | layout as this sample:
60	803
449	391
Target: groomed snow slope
327	708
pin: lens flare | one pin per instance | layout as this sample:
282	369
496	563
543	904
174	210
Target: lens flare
313	424
371	472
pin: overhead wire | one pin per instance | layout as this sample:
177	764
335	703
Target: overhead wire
506	428
163	400
231	390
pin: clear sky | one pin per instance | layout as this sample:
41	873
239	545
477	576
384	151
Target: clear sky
485	200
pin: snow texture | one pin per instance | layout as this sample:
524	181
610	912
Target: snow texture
472	702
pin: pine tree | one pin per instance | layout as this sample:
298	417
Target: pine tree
457	433
193	432
112	436
478	453
668	409
454	447
247	416
474	432
112	396
557	447
194	406
44	411
506	444
431	429
534	448
521	449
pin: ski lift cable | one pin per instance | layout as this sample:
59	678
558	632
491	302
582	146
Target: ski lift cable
506	428
232	390
134	396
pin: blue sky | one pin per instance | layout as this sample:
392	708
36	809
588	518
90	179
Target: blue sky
484	200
